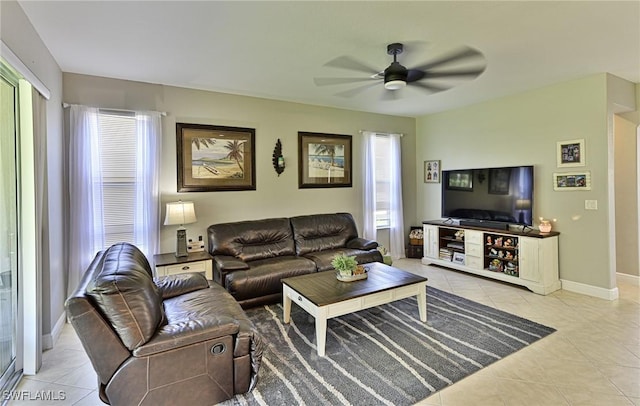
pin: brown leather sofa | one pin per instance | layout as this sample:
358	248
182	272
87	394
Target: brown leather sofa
251	257
169	341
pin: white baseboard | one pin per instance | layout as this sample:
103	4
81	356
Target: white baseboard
628	279
590	290
48	340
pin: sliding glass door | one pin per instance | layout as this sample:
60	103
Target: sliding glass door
8	230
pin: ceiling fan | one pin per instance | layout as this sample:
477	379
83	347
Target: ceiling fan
396	76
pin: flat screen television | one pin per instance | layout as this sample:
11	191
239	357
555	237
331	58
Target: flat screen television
491	195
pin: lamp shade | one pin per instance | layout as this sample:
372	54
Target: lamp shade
180	213
523	204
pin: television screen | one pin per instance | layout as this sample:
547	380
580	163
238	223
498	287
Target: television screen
489	194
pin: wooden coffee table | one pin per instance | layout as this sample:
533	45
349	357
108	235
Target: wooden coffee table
323	296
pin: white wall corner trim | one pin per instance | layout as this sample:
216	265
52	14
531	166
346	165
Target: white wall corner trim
49	340
628	279
22	69
589	290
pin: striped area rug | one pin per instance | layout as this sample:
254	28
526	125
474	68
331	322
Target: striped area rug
383	355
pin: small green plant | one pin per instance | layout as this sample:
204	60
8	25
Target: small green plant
344	265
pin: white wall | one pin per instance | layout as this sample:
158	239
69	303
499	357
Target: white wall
522	130
19	35
275	196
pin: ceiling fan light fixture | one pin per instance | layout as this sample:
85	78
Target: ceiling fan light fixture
395	84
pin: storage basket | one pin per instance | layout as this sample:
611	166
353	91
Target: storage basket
415	241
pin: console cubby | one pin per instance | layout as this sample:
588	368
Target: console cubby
501	254
526	258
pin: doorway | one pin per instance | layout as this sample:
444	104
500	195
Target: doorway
10	345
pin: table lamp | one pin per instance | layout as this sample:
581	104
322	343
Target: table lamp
180	213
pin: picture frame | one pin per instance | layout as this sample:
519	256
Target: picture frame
214	158
324	160
499	181
571	153
567	181
460	180
458	258
432	171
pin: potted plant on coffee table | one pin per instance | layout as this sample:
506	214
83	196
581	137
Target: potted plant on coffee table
347	268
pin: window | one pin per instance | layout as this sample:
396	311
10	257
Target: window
383	181
117	133
114	159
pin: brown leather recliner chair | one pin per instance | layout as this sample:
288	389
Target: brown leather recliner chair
170	341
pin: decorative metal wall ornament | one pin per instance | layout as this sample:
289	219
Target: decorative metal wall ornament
278	159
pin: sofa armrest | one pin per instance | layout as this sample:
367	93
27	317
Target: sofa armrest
223	264
362	244
188	332
179	284
229	263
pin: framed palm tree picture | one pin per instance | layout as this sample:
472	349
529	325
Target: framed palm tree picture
324	160
215	158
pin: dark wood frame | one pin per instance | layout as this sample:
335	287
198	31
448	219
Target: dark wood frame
305	139
467	188
185	136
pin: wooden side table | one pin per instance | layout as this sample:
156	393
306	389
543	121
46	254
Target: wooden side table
169	264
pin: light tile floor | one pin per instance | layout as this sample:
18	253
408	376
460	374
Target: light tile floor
593	358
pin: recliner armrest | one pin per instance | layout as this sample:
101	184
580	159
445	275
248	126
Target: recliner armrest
179	284
188	332
362	244
227	263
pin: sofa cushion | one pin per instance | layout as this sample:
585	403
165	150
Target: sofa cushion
322	232
323	259
263	278
252	240
124	291
192	318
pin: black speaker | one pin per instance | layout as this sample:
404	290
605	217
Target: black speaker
494	225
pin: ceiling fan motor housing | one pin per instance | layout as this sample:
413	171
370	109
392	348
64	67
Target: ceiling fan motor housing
395	76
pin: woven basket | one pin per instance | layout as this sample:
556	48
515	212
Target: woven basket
415	241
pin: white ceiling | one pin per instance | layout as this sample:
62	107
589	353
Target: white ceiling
275	49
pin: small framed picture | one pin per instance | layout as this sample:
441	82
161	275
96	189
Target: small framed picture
571	153
572	181
431	171
458	258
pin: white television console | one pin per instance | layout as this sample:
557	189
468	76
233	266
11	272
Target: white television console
526	258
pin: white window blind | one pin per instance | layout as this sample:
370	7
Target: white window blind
118	156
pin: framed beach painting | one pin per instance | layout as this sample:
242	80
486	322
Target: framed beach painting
215	158
324	160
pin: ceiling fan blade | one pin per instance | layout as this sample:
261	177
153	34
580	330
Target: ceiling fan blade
339	81
430	88
347	62
454	56
356	91
453	73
